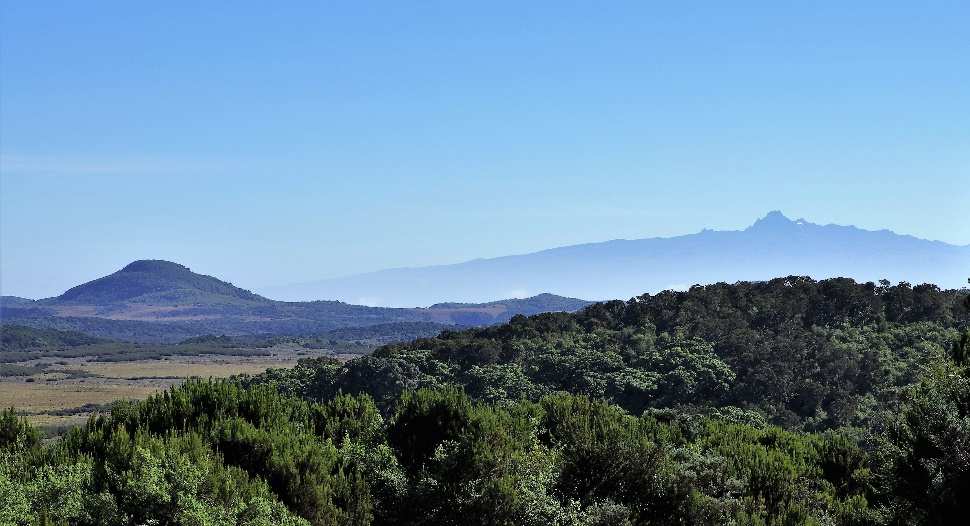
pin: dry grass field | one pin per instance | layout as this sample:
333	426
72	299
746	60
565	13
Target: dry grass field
42	397
66	394
221	368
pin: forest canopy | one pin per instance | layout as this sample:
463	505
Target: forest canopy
784	402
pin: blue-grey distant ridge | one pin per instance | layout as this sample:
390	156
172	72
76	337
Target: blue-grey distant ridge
773	246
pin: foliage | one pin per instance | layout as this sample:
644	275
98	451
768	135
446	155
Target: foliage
806	354
18	338
791	402
218	453
927	450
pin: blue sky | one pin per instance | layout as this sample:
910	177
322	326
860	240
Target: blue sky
271	146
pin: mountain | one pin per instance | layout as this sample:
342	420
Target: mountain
544	302
773	246
15	300
158	282
162	301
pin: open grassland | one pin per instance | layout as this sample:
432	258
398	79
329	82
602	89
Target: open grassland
182	368
42	398
56	395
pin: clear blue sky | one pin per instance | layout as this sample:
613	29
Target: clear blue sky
285	144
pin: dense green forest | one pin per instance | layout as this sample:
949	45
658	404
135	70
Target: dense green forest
800	353
784	402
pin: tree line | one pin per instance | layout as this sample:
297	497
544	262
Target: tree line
776	403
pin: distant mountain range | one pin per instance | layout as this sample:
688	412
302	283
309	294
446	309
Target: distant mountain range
154	300
773	246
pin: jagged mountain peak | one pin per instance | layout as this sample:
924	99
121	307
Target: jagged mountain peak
774	245
774	220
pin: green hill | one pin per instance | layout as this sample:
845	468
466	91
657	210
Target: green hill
160	301
527	306
789	402
805	354
19	337
158	282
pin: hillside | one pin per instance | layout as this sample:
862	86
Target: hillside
14	300
544	302
803	353
161	301
157	282
790	401
18	337
787	402
773	246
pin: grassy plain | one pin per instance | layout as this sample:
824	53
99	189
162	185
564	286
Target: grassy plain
65	393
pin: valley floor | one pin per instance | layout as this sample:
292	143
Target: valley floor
57	395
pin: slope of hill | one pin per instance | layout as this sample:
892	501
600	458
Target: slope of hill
15	300
158	282
544	302
803	352
815	402
772	246
19	337
161	301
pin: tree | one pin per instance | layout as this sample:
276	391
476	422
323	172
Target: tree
15	432
927	471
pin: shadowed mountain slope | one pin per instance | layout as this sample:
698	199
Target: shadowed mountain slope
158	282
